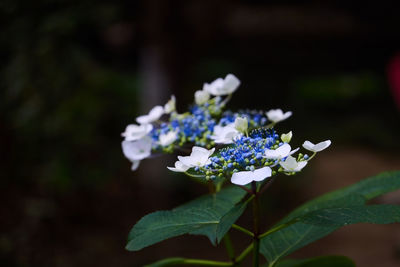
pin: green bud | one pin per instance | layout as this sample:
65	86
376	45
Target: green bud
287	137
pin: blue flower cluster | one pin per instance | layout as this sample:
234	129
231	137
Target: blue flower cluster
197	125
245	154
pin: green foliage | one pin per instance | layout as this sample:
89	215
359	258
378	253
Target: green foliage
210	215
213	216
316	218
368	188
324	261
378	214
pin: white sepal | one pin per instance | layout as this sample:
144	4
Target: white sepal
201	97
222	86
292	165
170	106
154	114
241	124
281	152
179	167
168	138
224	134
277	115
246	177
135	132
198	158
137	150
318	147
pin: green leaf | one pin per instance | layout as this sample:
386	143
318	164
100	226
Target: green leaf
281	243
368	188
324	261
378	214
210	215
298	234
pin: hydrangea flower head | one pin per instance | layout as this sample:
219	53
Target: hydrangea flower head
248	148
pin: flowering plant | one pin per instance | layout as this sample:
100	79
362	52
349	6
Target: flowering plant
243	148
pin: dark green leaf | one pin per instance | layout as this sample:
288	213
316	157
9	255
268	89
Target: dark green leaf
216	232
378	214
299	234
324	261
210	215
368	188
280	244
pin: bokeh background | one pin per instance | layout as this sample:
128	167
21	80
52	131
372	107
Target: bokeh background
75	73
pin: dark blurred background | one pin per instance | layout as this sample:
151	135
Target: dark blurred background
75	73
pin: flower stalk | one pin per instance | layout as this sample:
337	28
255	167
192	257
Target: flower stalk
256	226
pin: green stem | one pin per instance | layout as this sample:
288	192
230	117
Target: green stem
211	187
244	230
183	261
256	227
313	155
206	262
273	230
244	253
229	247
194	175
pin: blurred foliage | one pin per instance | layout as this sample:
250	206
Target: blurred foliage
340	89
60	106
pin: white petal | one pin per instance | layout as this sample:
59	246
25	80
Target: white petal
137	150
214	87
231	83
261	174
318	147
170	106
286	115
289	164
135	132
143	119
294	151
199	157
167	139
179	167
301	165
222	86
187	160
135	165
241	124
242	178
154	114
201	97
277	115
309	146
321	146
281	152
198	150
224	134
